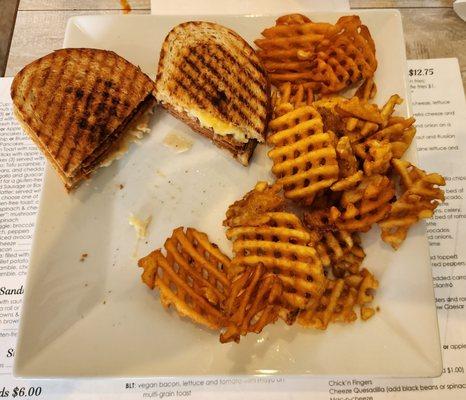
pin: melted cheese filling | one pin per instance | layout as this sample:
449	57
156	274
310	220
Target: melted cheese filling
140	225
220	127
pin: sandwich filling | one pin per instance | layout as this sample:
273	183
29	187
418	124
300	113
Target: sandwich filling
115	144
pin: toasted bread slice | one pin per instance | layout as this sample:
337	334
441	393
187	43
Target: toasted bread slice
77	105
210	78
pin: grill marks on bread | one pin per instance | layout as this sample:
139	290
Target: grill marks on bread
204	68
207	67
74	99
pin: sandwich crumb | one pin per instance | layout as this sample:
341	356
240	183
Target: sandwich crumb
177	143
140	225
83	257
121	186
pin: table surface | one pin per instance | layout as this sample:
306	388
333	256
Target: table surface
432	29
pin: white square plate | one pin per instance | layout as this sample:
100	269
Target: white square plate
96	318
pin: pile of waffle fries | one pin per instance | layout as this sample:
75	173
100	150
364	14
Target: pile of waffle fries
297	253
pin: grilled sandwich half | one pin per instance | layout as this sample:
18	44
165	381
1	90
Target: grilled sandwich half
210	78
81	106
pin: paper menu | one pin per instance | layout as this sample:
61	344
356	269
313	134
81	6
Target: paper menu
438	104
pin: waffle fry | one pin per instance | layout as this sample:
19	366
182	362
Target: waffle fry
348	58
287	49
338	249
367	90
288	97
389	107
253	303
349	173
347	162
365	283
378	158
292	19
281	246
249	211
366	204
360	109
362	118
399	132
419	200
303	155
322	220
350	262
330	57
333	246
191	277
331	120
339	300
337	303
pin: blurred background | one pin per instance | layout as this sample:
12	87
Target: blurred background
30	29
8	10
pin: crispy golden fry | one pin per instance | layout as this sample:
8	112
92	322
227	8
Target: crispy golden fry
337	248
365	283
350	262
289	97
336	303
297	50
350	55
389	107
348	183
398	135
360	109
367	90
292	19
339	300
358	130
366	204
303	155
333	246
191	277
397	131
332	121
347	162
400	145
364	121
281	245
287	50
367	312
322	220
419	200
249	211
349	174
253	303
378	157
